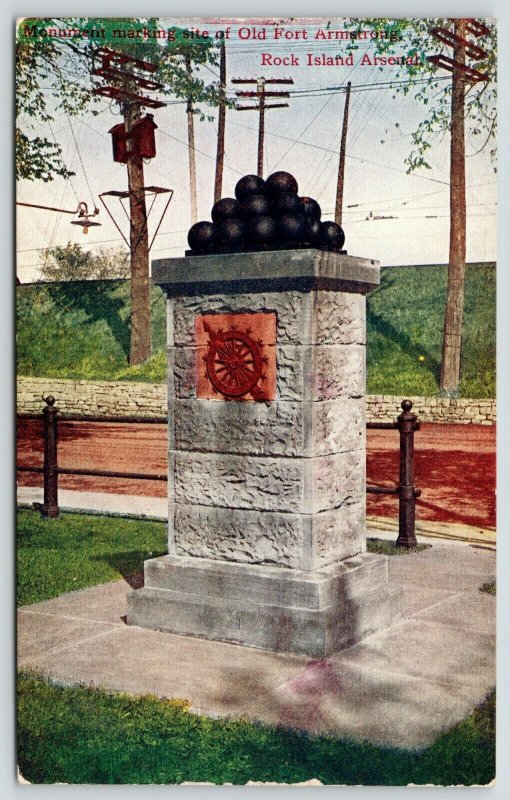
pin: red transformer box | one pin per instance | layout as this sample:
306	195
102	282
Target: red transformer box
142	139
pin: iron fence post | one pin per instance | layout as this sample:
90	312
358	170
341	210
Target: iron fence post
407	492
49	507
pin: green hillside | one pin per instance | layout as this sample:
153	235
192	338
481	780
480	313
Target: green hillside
81	330
405	317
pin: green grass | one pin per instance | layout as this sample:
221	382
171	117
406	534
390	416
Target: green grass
405	324
489	588
80	330
79	550
83	735
387	548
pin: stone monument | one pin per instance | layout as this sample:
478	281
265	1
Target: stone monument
266	438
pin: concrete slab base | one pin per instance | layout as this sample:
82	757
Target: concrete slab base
310	613
402	687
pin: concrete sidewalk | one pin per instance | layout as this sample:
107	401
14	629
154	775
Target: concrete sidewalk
156	508
403	686
123	505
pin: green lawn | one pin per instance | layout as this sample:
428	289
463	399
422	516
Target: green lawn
79	550
83	735
387	548
405	329
80	330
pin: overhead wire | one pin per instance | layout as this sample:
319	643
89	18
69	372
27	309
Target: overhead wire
373	109
327	153
69	177
94	205
309	125
206	155
321	165
296	141
348	155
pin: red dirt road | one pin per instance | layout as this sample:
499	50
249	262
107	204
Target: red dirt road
455	465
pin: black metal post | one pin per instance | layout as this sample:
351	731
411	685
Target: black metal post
407	492
49	507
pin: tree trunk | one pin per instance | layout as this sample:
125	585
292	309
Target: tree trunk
452	338
140	344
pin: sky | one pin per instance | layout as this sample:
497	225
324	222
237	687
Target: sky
302	139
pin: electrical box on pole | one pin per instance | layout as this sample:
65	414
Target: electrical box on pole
142	138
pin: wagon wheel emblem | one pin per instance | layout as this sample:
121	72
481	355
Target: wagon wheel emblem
234	362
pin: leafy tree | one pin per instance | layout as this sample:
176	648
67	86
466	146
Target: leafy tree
412	37
455	105
54	75
61	53
72	263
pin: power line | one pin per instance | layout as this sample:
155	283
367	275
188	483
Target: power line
309	125
357	126
81	162
206	155
414	196
325	159
69	178
417	216
103	241
369	204
356	158
357	87
296	141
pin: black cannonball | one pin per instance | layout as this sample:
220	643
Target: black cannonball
331	235
286	203
281	182
311	208
255	204
201	236
313	230
261	230
230	232
225	208
291	228
247	185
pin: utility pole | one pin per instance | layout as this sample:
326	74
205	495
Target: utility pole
341	164
461	74
454	311
191	151
262	111
140	339
220	151
125	76
261	107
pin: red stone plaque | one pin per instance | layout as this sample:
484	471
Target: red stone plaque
236	356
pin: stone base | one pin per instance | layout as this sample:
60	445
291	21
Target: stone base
311	613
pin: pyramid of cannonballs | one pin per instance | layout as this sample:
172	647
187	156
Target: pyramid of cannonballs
265	214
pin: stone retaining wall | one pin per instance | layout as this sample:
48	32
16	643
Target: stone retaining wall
463	411
149	400
111	398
